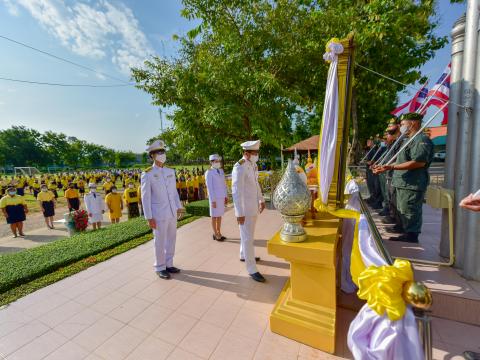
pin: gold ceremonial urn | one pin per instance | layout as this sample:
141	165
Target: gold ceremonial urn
293	200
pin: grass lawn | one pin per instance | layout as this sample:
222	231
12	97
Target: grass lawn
27	271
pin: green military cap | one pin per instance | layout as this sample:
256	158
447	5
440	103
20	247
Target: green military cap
412	116
393	121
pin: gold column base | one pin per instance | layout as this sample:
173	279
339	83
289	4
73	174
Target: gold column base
306	308
307	323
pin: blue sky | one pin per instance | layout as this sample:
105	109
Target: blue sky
109	36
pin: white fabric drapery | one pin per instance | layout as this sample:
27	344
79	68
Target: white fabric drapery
328	138
370	336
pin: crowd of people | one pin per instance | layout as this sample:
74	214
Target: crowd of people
119	190
397	188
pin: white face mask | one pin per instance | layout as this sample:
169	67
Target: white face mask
114	191
162	158
130	186
254	158
44	189
404	129
11	193
216	165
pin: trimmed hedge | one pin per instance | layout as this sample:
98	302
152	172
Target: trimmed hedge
22	267
198	208
75	267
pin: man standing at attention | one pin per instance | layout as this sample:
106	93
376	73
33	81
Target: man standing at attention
410	177
248	202
162	208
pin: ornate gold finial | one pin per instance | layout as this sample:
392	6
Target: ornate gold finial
417	294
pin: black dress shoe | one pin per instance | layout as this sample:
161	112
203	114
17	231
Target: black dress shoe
223	238
173	270
397	229
384	212
388	220
257	277
256	259
408	237
163	274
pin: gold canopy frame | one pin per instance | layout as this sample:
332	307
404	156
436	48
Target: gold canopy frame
306	308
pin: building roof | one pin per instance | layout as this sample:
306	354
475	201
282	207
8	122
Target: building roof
308	144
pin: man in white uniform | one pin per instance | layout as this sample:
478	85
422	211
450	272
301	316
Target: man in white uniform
248	202
95	206
161	207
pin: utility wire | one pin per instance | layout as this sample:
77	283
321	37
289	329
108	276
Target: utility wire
64	60
398	82
61	84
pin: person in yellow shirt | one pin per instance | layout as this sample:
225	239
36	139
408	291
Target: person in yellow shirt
139	192
81	186
131	197
35	188
46	198
201	185
73	197
114	204
196	185
107	185
52	186
14	208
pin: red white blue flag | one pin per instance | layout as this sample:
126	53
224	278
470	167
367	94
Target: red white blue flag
440	93
414	104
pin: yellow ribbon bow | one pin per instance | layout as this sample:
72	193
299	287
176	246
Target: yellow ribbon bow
382	287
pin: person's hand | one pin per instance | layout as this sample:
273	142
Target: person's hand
152	223
241	220
470	203
262	206
214	204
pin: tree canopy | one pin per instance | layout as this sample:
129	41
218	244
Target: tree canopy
20	146
254	68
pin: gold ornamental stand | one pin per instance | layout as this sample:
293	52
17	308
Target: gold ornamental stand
306	308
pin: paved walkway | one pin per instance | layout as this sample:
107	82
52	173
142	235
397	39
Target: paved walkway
119	309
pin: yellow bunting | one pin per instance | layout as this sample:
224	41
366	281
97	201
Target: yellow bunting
382	287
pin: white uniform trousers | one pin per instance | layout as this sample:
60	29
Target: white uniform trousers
164	237
247	248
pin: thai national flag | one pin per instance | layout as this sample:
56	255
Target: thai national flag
440	93
414	104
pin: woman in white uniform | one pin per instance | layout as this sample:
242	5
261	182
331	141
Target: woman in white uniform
217	194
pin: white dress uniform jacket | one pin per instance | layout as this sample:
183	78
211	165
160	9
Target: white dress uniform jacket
95	206
247	196
217	191
160	202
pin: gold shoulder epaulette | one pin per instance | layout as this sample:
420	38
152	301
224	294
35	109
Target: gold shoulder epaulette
241	161
148	169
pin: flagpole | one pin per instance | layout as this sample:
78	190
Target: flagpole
394	157
368	153
425	102
384	156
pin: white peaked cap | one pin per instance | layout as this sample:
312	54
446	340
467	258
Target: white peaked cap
251	145
156	145
214	157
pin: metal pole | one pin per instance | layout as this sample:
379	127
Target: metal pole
385	156
368	153
161	120
471	267
465	242
458	37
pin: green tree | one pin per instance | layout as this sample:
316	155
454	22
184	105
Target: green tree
251	68
124	158
21	146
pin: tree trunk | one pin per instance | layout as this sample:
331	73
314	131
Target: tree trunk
247	126
353	153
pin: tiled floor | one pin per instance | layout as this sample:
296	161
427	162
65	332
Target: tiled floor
119	309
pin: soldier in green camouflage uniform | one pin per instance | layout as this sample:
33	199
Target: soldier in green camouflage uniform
410	177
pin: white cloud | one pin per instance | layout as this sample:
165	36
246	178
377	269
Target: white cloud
11	7
93	29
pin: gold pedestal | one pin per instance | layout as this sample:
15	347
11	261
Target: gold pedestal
306	308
